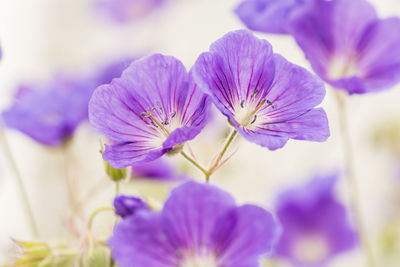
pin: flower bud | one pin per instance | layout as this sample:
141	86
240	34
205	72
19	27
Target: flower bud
115	174
127	205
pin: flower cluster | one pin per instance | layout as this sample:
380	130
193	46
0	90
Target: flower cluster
154	106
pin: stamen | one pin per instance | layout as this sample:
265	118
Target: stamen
159	106
173	114
154	121
270	103
165	122
254	92
242	103
254	119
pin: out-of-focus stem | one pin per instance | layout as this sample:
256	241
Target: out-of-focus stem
95	213
23	194
71	189
351	179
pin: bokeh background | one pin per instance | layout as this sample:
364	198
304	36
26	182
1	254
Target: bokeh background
41	37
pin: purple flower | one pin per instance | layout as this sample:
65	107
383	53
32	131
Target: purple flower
127	205
200	225
269	16
314	224
159	169
151	110
127	10
348	45
50	113
266	98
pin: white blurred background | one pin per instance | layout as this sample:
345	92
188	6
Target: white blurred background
39	37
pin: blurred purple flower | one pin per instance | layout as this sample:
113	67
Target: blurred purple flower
267	99
348	45
127	205
112	70
159	169
200	225
314	224
269	16
151	110
50	113
127	10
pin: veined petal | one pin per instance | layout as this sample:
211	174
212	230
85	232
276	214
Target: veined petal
312	126
139	240
238	68
126	154
293	92
190	213
243	234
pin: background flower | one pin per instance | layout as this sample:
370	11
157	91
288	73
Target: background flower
40	111
348	45
127	10
269	16
314	223
200	225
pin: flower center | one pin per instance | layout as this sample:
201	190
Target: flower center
163	126
343	67
246	113
311	249
199	260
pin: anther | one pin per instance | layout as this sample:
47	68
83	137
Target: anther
165	122
270	104
254	92
242	103
159	106
173	114
254	119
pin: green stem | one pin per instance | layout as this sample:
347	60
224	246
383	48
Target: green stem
20	184
95	213
211	170
117	188
352	181
221	154
197	165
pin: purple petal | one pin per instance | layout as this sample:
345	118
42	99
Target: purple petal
236	66
293	92
127	205
269	16
243	234
311	212
126	154
124	11
158	86
379	56
139	241
159	169
112	70
190	213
